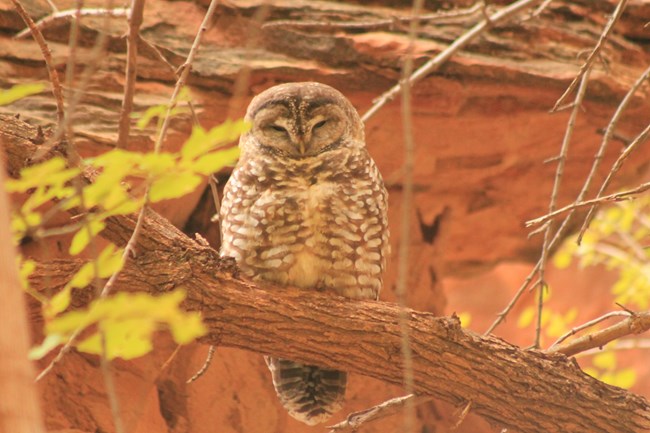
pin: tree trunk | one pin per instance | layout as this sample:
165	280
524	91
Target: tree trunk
20	409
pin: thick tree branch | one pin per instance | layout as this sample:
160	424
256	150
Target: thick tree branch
522	390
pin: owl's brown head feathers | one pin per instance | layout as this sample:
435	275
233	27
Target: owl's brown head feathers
300	120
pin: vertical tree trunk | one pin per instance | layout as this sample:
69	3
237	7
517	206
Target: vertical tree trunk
20	409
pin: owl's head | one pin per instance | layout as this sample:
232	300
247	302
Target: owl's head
300	120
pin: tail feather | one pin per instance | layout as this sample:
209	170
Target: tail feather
309	393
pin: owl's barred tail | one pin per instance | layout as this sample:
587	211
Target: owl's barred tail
310	394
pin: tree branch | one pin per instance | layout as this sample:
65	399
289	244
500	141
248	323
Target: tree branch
518	389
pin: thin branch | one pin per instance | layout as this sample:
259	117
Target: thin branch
589	324
208	360
637	323
383	24
58	17
135	21
47	57
435	63
405	222
618	196
382	410
559	173
174	71
615	168
594	53
111	390
93	63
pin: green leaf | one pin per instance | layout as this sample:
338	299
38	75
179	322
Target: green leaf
20	91
173	185
82	238
202	141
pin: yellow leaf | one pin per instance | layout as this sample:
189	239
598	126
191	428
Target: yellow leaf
625	378
215	161
27	267
58	303
202	141
526	317
591	372
20	91
128	321
49	343
110	261
556	326
173	185
35	175
605	360
83	276
82	238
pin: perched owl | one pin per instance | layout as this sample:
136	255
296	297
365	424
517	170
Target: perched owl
306	207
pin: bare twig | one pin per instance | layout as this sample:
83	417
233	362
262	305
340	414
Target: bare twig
589	324
634	324
111	390
174	71
135	21
62	16
559	173
382	410
617	165
405	222
383	24
619	196
205	366
47	57
538	11
594	53
611	127
435	63
93	63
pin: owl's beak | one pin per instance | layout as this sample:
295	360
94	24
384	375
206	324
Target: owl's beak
301	145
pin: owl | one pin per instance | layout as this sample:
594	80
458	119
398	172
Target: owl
306	207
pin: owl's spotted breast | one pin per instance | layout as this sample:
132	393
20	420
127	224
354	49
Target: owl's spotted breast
320	227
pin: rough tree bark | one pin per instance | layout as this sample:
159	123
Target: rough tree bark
527	391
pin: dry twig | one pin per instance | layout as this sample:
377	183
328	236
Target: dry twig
383	24
593	55
47	57
618	196
382	410
435	63
615	168
135	21
63	16
559	173
636	323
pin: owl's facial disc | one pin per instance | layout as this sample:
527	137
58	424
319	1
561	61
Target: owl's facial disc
299	128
